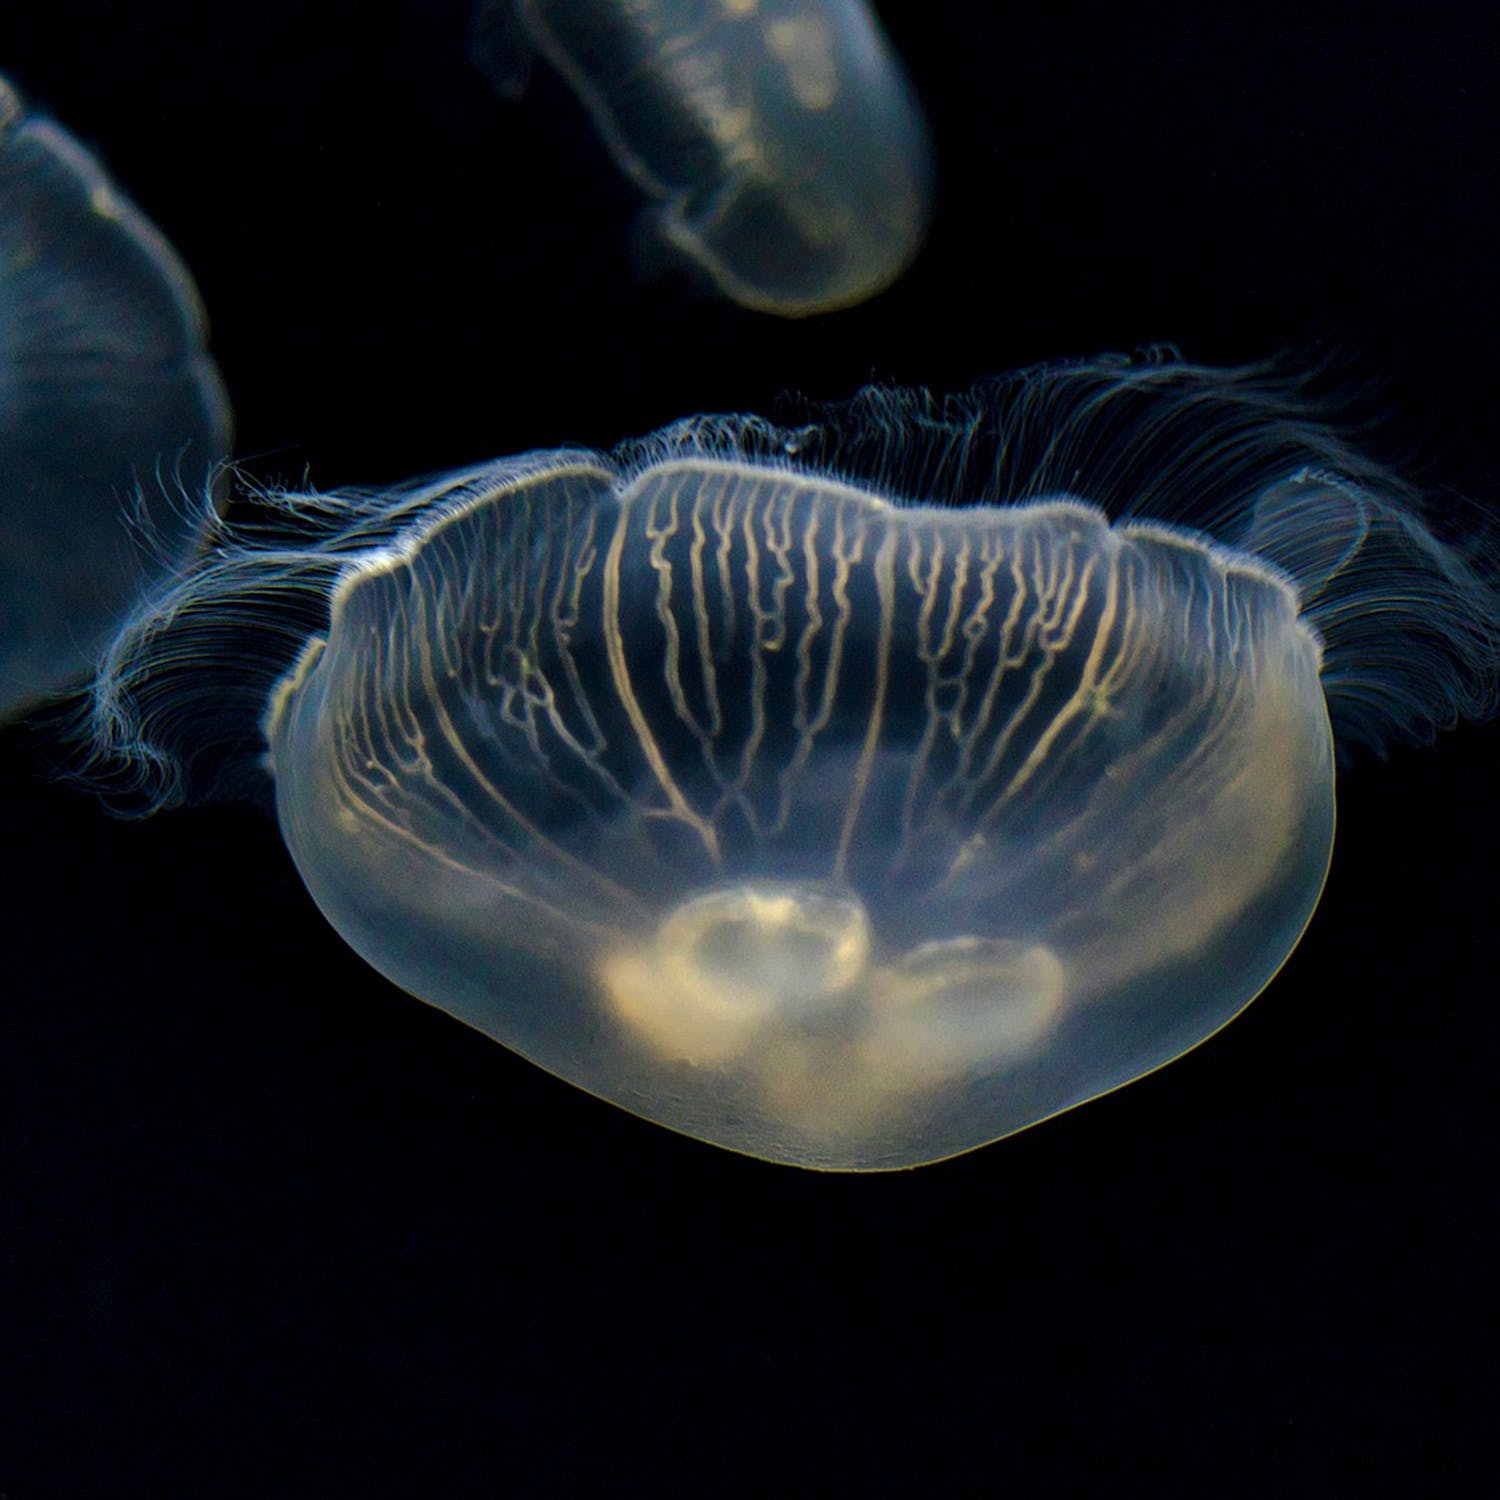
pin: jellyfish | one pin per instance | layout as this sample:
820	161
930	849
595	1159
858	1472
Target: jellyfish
109	405
780	139
849	793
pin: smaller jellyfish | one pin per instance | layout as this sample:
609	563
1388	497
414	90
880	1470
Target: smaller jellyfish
781	138
108	405
849	794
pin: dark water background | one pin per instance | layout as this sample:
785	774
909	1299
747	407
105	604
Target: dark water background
270	1228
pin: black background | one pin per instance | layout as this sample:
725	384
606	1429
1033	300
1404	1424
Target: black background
270	1228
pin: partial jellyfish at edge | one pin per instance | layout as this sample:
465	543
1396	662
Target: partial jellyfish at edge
110	408
781	139
850	794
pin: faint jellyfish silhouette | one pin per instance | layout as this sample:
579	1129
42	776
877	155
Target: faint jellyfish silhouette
848	795
781	138
108	404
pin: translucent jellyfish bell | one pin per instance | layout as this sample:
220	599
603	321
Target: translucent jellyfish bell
838	828
781	137
108	405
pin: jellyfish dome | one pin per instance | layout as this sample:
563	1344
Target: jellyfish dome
849	794
110	408
780	139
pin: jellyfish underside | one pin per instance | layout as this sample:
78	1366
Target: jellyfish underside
109	406
833	832
780	138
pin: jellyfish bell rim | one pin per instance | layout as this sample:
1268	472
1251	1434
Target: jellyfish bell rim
451	498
